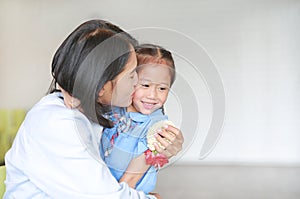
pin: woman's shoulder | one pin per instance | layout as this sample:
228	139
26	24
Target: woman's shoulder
53	100
51	112
50	119
51	104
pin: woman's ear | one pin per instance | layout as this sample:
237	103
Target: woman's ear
70	102
101	93
104	96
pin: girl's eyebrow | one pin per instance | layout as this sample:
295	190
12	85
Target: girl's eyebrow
147	80
143	79
165	84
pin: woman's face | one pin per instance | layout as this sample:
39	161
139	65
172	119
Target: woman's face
118	92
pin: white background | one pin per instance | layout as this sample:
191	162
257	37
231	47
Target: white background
255	46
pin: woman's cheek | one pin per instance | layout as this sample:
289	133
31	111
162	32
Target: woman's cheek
122	95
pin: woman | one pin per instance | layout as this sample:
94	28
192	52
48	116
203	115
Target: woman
55	153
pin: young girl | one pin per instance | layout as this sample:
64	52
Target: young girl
128	138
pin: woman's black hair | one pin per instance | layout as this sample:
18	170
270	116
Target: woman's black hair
93	54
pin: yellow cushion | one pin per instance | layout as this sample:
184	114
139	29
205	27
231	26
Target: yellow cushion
10	121
2	178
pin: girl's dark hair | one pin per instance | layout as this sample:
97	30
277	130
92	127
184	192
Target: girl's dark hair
155	54
93	54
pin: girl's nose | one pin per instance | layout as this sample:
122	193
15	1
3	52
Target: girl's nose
152	92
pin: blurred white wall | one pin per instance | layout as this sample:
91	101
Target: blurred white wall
253	44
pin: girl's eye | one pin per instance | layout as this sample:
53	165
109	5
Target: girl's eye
145	85
163	88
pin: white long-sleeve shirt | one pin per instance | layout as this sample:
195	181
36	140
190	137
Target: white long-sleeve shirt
55	155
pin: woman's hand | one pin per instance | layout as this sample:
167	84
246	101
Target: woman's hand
172	143
156	195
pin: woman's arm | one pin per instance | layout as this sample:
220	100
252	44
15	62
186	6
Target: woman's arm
135	171
138	166
54	162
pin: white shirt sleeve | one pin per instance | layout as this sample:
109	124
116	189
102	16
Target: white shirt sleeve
49	160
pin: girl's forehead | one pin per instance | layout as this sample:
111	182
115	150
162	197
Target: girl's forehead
155	73
153	68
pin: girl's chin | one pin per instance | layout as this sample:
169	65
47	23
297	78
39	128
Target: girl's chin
146	112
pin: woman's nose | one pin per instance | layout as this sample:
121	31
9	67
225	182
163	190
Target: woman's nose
135	79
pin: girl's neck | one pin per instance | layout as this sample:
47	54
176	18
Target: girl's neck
131	108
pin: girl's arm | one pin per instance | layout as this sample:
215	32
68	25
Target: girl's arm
137	167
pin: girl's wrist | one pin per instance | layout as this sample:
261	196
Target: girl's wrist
155	159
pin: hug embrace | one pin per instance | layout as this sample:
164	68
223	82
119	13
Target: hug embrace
71	141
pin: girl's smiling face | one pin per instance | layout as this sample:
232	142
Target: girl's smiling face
152	89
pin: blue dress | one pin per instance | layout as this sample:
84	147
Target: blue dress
126	140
